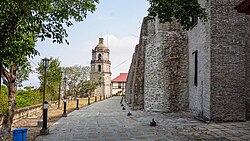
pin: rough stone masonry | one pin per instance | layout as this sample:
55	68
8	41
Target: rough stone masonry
204	71
159	68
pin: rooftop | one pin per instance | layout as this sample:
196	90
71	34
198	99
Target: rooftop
121	78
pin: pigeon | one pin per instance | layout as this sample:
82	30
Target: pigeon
153	123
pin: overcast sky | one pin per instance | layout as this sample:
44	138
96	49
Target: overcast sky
117	21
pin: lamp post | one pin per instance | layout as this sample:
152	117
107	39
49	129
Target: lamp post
45	130
59	93
65	81
65	101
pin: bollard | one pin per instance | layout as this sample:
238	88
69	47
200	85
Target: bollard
88	100
77	103
45	130
95	99
121	100
64	108
100	98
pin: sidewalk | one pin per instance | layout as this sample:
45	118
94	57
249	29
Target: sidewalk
106	121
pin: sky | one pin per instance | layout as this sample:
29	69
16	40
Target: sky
117	21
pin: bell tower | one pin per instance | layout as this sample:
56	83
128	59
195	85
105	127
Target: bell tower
100	69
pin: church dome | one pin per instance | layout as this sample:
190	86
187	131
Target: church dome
100	44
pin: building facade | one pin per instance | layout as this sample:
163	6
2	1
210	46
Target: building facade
205	70
119	83
100	69
219	63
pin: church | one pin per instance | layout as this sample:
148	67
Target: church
100	69
204	71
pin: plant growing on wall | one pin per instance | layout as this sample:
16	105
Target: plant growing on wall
185	11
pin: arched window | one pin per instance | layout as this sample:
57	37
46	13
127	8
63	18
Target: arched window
99	57
99	68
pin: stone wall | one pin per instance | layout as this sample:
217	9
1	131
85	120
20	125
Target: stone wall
206	71
138	79
228	61
221	44
248	69
129	84
157	79
27	111
24	112
135	81
199	40
166	68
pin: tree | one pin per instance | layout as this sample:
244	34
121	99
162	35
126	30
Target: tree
76	77
53	77
185	11
43	18
87	86
27	97
21	23
14	62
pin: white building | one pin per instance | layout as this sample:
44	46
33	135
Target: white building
119	84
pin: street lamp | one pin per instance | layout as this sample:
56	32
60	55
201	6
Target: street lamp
65	80
59	93
65	101
45	66
45	130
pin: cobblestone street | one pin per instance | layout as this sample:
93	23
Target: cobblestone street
106	121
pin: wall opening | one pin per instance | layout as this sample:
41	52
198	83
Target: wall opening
99	68
99	57
195	53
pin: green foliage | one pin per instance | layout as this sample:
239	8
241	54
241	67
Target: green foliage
4	100
44	18
87	86
53	78
21	23
76	76
185	11
15	57
15	65
28	97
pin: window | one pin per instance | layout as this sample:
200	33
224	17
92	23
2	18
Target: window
99	57
99	68
195	53
194	21
119	85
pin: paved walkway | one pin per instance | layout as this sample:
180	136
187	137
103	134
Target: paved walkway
106	121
